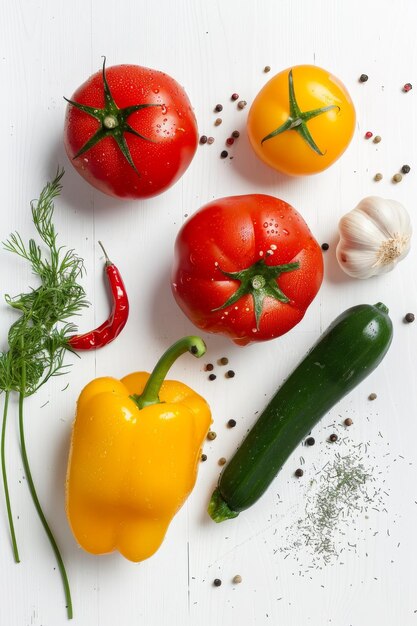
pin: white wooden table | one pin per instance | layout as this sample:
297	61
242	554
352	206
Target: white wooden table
214	49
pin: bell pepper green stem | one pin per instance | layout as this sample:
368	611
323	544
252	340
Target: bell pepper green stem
5	482
150	394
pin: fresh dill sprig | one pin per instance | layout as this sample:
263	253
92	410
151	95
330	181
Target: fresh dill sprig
38	339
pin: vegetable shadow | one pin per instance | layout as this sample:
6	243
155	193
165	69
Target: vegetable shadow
169	323
250	167
81	195
57	516
332	270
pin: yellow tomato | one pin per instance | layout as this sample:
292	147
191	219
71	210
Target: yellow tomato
301	121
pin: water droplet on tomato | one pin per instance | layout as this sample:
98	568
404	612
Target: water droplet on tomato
285	231
265	224
156	90
163	110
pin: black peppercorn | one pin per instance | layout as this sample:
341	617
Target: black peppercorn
231	423
217	582
325	246
212	377
299	472
218	108
203	139
230	374
409	318
204	457
333	437
363	78
224	154
405	169
310	441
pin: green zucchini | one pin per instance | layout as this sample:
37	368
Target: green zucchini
347	352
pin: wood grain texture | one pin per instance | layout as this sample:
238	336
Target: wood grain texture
214	49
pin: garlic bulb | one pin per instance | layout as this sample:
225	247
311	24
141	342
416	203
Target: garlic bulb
374	236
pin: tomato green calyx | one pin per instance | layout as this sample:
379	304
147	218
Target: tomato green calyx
298	119
260	281
113	122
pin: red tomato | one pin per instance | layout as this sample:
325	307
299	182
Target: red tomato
247	267
130	131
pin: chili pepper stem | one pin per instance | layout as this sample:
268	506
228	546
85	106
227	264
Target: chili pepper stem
5	482
108	262
150	394
36	502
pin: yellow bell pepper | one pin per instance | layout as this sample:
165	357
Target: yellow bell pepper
135	450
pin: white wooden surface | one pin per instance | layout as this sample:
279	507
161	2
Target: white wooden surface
214	48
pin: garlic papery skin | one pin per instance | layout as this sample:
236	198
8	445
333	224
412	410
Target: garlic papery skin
374	236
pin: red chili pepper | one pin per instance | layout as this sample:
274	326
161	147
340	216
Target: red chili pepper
117	319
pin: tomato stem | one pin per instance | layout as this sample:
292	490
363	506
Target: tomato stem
110	121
